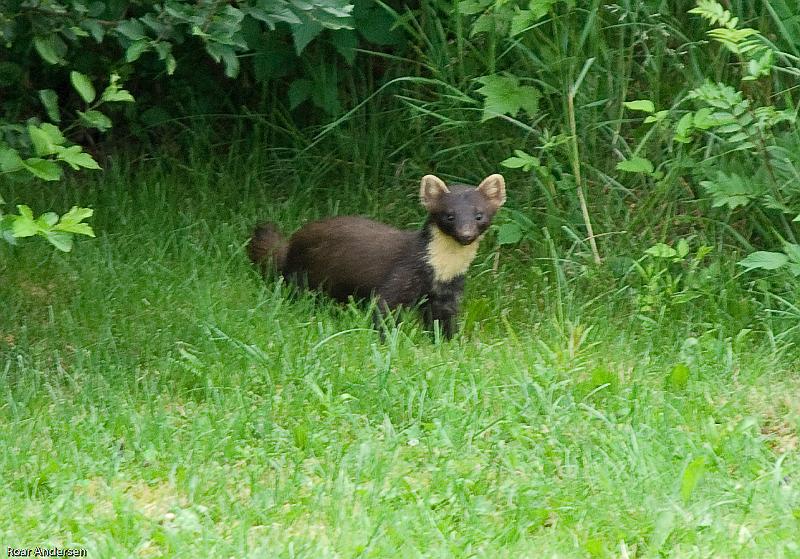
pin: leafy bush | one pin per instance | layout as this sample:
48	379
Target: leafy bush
52	45
57	230
734	142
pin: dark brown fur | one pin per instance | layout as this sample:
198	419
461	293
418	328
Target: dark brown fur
356	257
267	248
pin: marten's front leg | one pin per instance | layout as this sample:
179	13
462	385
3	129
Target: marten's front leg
444	305
399	290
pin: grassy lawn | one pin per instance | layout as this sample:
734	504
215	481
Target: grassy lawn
161	400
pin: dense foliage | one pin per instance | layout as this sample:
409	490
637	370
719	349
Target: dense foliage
551	81
56	52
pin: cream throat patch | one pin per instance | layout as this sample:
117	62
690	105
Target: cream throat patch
448	257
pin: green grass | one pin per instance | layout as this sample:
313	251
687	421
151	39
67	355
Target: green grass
160	399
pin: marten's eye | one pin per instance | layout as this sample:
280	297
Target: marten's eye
450	217
478	216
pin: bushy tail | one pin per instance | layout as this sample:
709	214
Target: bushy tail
267	248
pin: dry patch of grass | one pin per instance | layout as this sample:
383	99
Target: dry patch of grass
780	414
154	501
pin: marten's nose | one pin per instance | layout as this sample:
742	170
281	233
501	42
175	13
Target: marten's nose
466	235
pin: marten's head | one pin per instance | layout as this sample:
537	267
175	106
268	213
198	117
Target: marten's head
459	211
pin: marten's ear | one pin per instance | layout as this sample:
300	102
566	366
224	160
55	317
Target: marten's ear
494	188
430	189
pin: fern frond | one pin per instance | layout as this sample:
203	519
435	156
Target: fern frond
715	14
736	40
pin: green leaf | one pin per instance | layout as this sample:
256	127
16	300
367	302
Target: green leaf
164	50
227	55
299	91
24	225
325	91
345	42
171	64
658	117
514	162
77	31
661	250
504	95
71	222
75	157
83	86
61	240
683	248
132	29
270	12
702	252
521	160
739	137
95	29
80	228
116	95
25	211
472	7
691	476
636	165
764	260
40	140
273	59
729	128
76	215
376	24
703	120
51	48
678	377
487	22
53	133
760	67
121	96
136	49
644	105
683	128
770	202
521	21
49	100
231	62
792	250
47	220
225	28
95	119
9	160
304	33
730	190
509	234
43	168
46	139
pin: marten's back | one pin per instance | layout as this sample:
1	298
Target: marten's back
348	255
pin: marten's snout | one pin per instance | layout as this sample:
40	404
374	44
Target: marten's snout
467	235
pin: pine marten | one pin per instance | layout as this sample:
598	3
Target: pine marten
356	257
